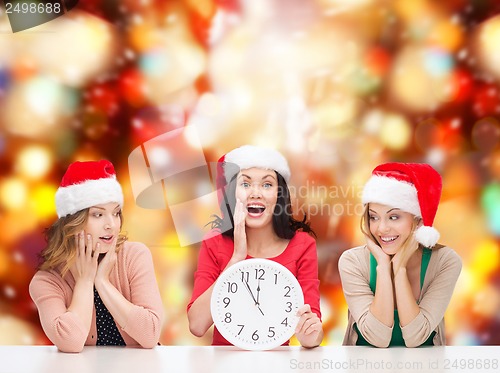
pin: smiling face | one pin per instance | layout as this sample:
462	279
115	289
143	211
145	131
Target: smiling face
257	189
103	225
390	226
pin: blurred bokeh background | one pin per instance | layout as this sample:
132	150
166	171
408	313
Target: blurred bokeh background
338	86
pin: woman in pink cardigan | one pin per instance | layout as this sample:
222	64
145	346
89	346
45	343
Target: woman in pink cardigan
94	287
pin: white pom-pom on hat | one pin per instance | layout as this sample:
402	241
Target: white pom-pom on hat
427	236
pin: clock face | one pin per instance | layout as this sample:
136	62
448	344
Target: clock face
254	304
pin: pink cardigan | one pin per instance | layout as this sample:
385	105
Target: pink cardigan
133	276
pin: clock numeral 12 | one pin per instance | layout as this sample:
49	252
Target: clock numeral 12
259	274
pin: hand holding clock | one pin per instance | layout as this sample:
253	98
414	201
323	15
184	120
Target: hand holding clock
309	330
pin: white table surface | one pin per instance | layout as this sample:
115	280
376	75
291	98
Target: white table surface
231	359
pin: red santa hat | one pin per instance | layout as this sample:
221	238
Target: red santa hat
411	187
86	184
248	156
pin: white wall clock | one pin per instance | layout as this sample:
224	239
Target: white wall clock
254	304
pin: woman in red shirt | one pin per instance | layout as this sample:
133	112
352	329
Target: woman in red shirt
258	223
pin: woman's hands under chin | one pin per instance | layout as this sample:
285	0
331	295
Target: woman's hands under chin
106	265
379	254
400	259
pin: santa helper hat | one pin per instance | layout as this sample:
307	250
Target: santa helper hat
86	184
411	187
248	156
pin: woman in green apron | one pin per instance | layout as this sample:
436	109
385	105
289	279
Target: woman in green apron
399	284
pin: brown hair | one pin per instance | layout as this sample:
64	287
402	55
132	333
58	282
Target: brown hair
60	252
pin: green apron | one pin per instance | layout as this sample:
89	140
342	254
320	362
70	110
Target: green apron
397	335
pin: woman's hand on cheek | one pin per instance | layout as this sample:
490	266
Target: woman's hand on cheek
85	265
379	254
240	237
400	260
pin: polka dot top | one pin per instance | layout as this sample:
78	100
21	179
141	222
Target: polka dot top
107	332
133	276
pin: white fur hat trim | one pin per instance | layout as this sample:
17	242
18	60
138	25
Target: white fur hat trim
391	192
76	197
249	156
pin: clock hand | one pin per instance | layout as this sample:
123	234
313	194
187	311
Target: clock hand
247	286
249	290
258	292
257	301
258	306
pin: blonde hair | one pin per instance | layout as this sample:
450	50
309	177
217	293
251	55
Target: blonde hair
365	228
60	252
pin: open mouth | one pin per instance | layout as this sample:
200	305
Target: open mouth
106	239
256	209
388	239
